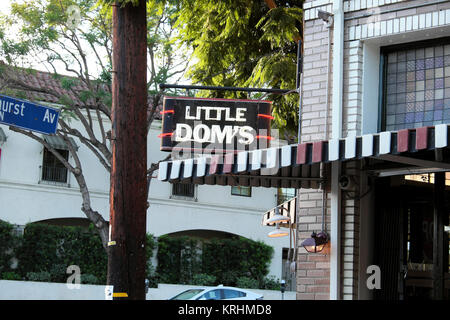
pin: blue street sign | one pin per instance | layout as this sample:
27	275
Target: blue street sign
28	115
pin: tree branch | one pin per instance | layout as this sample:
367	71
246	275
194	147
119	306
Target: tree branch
152	169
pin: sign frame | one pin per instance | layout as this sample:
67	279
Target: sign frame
176	109
13	110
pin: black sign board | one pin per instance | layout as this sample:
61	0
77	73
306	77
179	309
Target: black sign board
215	125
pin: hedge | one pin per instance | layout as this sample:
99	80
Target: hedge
178	259
8	243
52	249
44	252
219	261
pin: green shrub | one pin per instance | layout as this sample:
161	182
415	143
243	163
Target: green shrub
270	283
8	244
52	249
246	282
150	273
58	273
44	252
10	276
229	278
89	279
229	259
203	279
39	276
180	259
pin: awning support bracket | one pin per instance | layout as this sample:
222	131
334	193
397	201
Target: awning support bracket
415	161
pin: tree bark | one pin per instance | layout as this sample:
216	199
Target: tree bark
128	192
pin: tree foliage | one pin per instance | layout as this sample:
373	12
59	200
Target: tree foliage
245	44
233	43
8	242
74	38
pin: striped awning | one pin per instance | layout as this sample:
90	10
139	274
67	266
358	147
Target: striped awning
298	165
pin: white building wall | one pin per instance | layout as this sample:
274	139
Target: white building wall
25	200
30	290
367	25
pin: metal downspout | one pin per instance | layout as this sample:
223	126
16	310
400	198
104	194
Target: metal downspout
336	112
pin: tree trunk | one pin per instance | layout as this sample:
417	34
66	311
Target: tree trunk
128	193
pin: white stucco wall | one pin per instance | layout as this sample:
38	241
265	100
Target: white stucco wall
23	199
30	290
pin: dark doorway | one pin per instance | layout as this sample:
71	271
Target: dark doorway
404	240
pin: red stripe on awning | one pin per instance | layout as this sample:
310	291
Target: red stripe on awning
301	153
214	165
421	138
402	140
317	151
228	163
412	143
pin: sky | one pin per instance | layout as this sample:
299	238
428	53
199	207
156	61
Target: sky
94	68
5	9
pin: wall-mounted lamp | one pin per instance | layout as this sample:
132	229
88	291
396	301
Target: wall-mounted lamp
326	17
316	243
278	218
289	221
277	233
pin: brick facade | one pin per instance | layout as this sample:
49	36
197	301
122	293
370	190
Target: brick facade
365	20
313	269
350	237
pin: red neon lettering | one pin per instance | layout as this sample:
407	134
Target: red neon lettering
268	116
264	137
168	134
167	111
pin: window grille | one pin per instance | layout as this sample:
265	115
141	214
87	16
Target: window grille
241	191
417	85
183	190
52	170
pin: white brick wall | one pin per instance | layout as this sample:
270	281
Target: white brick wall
357	5
350	238
399	25
311	7
315	76
364	20
353	72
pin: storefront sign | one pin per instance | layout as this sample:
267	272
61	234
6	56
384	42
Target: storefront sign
218	125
